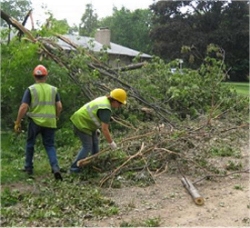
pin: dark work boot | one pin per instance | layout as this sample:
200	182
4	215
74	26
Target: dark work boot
28	171
58	176
61	170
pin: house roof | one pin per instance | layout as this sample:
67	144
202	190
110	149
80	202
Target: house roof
92	44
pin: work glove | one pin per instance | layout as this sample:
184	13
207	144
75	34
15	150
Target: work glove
17	127
113	145
98	132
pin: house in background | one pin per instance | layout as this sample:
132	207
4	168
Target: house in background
119	56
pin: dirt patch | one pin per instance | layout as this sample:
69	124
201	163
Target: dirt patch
227	202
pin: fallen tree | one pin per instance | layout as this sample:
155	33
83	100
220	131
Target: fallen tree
52	50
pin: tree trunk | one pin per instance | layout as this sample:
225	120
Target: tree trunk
193	191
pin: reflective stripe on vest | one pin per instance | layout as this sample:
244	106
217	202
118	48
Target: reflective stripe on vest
91	114
36	102
41	115
43	107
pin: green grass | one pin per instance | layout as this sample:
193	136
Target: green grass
42	199
240	87
12	158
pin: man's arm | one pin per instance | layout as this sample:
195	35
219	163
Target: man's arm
58	105
21	112
105	115
58	108
106	133
23	108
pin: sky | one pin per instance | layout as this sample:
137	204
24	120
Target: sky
72	10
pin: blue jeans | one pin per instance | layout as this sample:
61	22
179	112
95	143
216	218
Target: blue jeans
90	144
48	137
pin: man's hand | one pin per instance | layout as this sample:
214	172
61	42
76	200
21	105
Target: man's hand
113	145
17	127
98	132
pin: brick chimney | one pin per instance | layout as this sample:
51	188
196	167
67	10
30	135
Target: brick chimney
102	36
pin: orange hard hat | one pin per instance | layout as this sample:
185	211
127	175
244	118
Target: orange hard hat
40	70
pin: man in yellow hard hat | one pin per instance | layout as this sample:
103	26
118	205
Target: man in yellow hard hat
41	103
89	118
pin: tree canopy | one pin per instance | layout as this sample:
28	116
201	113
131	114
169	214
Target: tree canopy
17	9
130	28
225	24
89	22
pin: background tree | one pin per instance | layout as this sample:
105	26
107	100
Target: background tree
130	28
170	29
204	23
235	39
89	22
16	9
53	25
74	29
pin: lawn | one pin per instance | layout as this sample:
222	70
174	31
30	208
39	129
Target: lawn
240	87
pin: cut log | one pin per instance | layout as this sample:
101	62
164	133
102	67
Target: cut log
193	191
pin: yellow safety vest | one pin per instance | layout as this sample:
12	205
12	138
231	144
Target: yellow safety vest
85	119
43	104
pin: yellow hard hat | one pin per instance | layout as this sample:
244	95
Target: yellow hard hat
119	95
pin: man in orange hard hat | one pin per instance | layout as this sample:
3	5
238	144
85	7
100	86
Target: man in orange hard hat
41	103
89	118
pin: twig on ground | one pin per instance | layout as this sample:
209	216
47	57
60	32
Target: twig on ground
114	172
